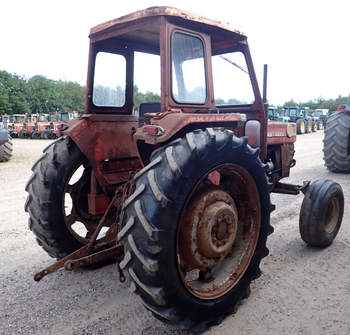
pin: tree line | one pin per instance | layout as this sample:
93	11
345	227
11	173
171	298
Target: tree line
319	103
38	94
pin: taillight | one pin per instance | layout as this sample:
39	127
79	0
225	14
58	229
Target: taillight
153	130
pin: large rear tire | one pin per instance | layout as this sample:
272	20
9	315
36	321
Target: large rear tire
308	126
300	126
6	150
336	142
57	199
195	228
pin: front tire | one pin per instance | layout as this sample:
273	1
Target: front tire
321	213
210	174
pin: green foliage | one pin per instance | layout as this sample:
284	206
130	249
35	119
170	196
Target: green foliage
140	97
12	94
321	103
38	95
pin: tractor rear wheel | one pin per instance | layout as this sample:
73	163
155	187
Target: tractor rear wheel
57	199
6	150
308	126
195	228
45	135
300	126
321	213
336	142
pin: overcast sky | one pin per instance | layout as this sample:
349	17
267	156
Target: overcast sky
305	43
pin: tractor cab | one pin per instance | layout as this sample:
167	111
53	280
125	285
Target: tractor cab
167	68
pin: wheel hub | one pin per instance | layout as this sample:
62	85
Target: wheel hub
217	229
210	228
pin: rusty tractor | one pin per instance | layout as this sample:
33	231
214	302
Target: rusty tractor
336	142
15	124
177	193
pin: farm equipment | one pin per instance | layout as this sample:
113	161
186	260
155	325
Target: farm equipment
15	124
42	128
300	117
60	120
321	116
178	196
336	142
28	126
5	141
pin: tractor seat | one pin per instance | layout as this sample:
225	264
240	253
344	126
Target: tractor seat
148	107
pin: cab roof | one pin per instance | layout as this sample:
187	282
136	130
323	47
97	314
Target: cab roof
217	30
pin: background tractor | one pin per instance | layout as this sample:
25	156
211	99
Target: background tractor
321	117
300	117
275	115
336	142
177	192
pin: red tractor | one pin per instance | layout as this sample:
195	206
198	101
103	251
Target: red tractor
28	126
15	124
177	192
60	120
42	127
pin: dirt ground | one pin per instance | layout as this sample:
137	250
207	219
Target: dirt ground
302	290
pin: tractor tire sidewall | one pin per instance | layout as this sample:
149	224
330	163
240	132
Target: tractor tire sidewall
299	123
45	197
6	150
336	143
165	217
314	210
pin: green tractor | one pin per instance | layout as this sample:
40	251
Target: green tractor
275	115
301	117
321	116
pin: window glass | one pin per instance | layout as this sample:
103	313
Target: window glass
146	79
232	85
188	69
64	117
109	80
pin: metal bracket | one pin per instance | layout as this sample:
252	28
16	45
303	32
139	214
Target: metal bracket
290	188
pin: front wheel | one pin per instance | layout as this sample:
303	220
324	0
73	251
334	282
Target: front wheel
321	213
195	229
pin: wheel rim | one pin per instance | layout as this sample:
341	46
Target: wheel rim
79	222
332	215
218	232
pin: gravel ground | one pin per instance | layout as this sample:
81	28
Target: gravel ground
301	291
